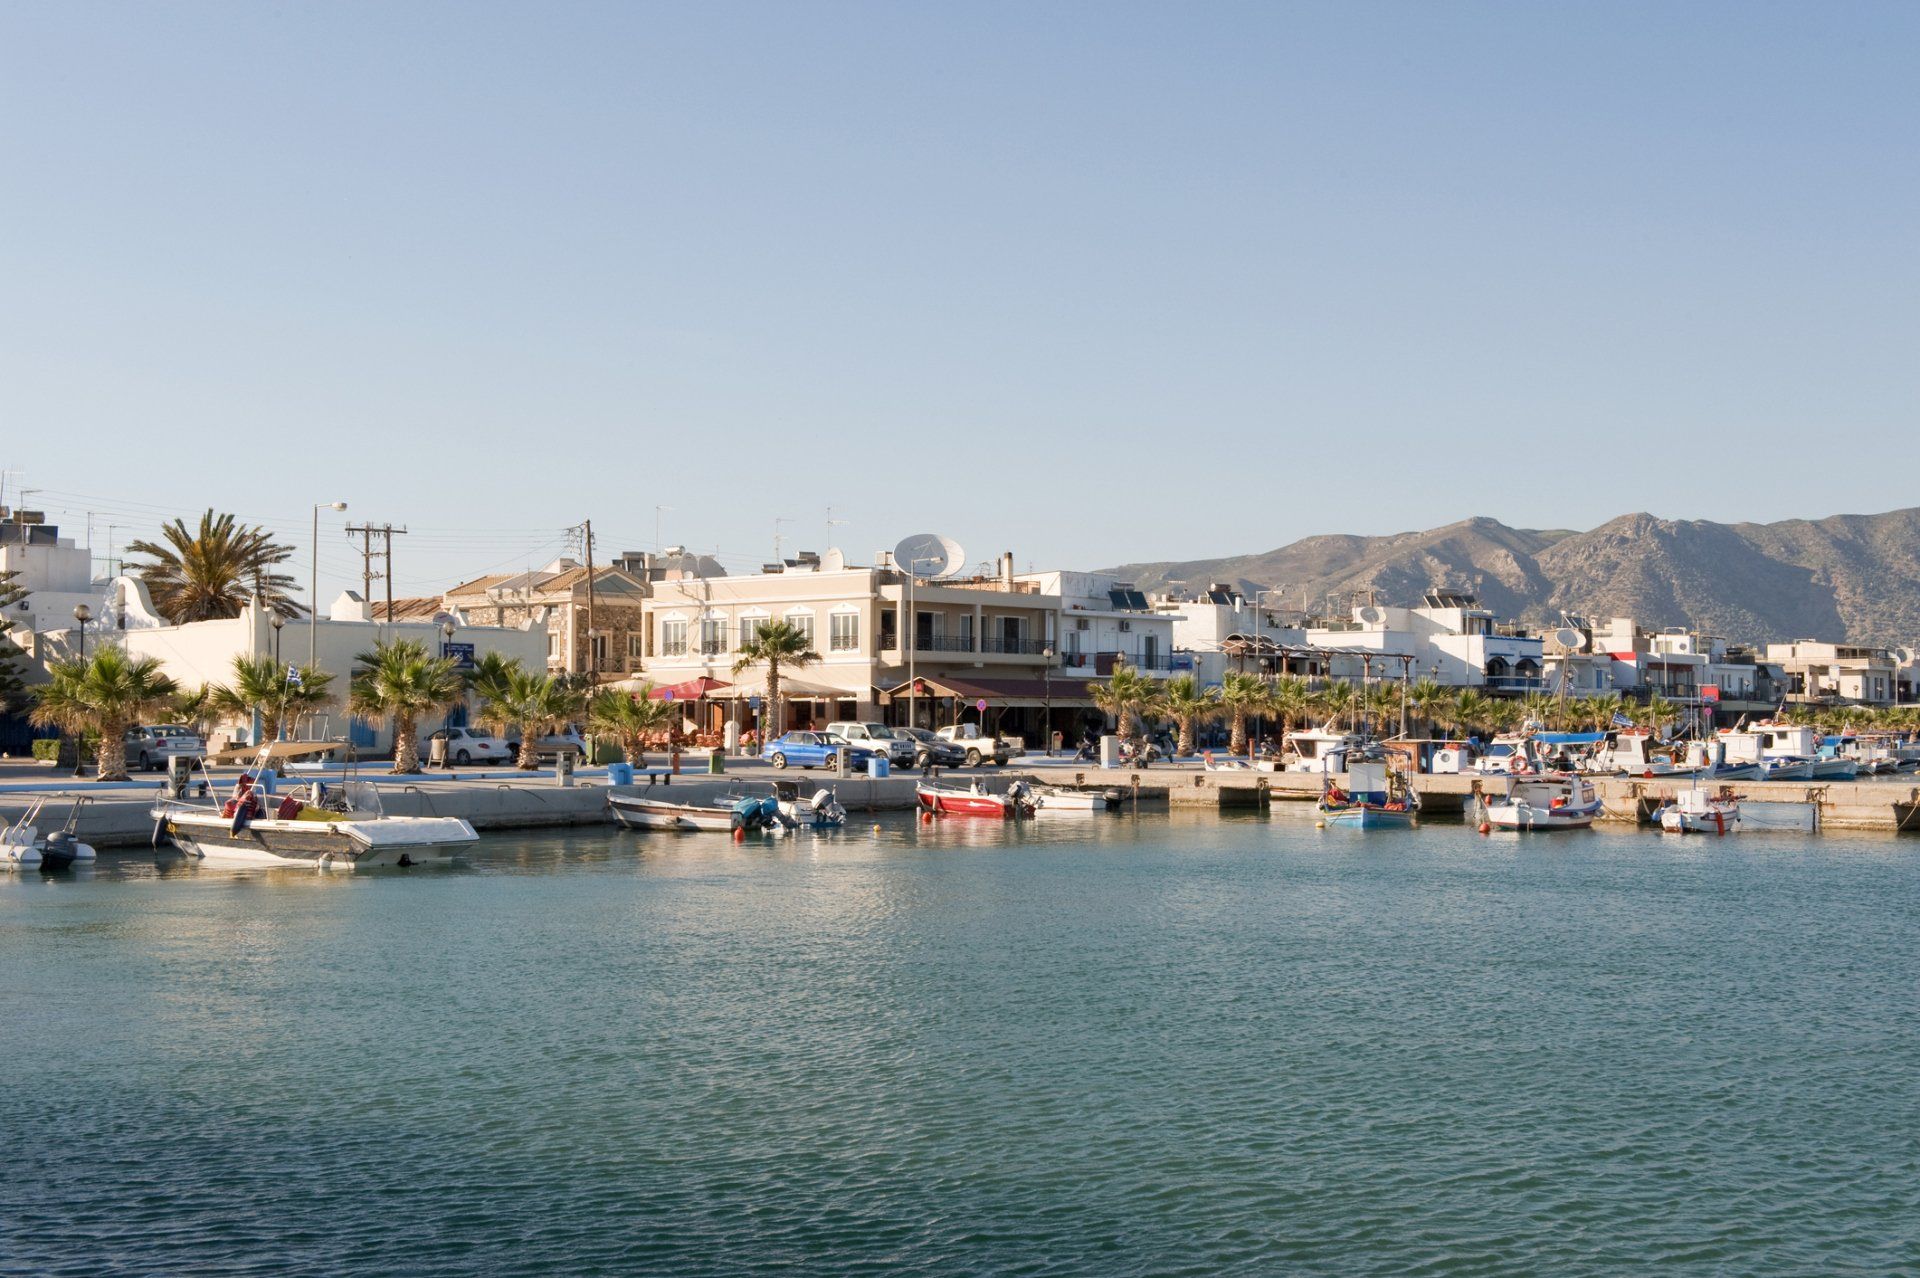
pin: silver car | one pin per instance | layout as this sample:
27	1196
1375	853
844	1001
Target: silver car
150	746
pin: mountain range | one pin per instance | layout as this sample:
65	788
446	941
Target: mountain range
1848	578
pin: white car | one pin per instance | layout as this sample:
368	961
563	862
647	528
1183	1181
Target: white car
470	745
151	746
553	745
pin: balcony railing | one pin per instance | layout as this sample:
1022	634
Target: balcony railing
942	643
1515	683
1014	647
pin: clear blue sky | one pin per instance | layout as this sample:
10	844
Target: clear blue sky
1088	282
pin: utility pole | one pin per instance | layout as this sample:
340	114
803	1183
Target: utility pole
593	658
367	532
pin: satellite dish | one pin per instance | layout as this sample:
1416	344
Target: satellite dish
1570	639
1904	656
929	555
1371	616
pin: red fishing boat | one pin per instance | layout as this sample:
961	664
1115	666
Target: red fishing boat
976	800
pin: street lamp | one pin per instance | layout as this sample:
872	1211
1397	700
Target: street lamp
277	621
1046	679
313	585
83	614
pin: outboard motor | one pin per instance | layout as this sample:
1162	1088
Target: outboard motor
61	849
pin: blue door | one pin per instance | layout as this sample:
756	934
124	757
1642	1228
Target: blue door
361	734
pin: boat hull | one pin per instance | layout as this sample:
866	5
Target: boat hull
991	806
647	814
1077	801
316	843
1790	770
1368	817
1526	817
1717	820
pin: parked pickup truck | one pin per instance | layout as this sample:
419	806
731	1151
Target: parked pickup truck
982	746
878	736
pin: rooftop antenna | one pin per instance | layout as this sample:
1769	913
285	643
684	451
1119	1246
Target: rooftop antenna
659	544
832	524
777	521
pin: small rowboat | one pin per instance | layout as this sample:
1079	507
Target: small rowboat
975	800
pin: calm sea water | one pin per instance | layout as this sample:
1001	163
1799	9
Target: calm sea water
1100	1046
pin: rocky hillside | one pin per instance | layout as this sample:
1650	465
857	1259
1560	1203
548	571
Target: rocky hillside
1850	577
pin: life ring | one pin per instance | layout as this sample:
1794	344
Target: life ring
1520	767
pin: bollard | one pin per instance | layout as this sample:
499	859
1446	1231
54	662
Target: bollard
716	763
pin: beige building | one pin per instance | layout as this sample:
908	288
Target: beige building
559	599
1838	672
885	642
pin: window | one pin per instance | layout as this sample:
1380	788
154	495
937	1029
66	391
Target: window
713	635
845	632
633	646
599	647
750	629
673	638
802	622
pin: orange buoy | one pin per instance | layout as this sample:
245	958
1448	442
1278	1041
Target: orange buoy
739	835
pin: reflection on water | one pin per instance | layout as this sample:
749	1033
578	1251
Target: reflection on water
1085	1044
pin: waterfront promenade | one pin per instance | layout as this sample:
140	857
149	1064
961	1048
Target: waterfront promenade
115	815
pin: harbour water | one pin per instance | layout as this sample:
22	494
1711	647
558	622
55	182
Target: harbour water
1171	1044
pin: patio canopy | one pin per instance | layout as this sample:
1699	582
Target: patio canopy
999	693
276	751
691	690
790	689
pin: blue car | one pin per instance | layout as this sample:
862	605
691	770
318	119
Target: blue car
810	750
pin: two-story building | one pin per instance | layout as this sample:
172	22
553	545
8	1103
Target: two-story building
1106	622
1220	630
892	647
1447	638
593	622
1838	672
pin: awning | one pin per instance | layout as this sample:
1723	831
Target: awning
691	690
1000	693
790	689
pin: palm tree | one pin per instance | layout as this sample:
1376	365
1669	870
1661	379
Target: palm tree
262	686
195	707
1473	709
536	704
1190	706
1540	708
1382	703
489	682
211	573
1125	695
629	718
778	644
1338	700
1289	700
106	694
398	681
1433	702
1242	696
1659	711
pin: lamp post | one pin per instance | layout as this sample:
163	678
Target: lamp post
1046	682
278	623
313	584
81	615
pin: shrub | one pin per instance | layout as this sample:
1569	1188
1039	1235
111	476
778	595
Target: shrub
47	749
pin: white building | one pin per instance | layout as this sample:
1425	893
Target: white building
1104	622
1220	630
203	652
1839	672
1447	637
56	574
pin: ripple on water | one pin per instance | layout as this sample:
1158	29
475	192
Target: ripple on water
1156	1046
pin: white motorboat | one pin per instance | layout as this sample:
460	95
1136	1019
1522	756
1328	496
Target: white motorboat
23	847
1057	798
820	810
1698	811
1553	802
339	826
1320	750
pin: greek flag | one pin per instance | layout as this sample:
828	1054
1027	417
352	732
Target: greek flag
293	675
1621	721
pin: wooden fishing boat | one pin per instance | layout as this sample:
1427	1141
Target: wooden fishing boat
975	800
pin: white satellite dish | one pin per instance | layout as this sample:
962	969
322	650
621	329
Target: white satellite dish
929	555
1371	616
1904	656
1570	639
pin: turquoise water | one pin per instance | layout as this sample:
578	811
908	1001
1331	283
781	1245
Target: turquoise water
1101	1046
